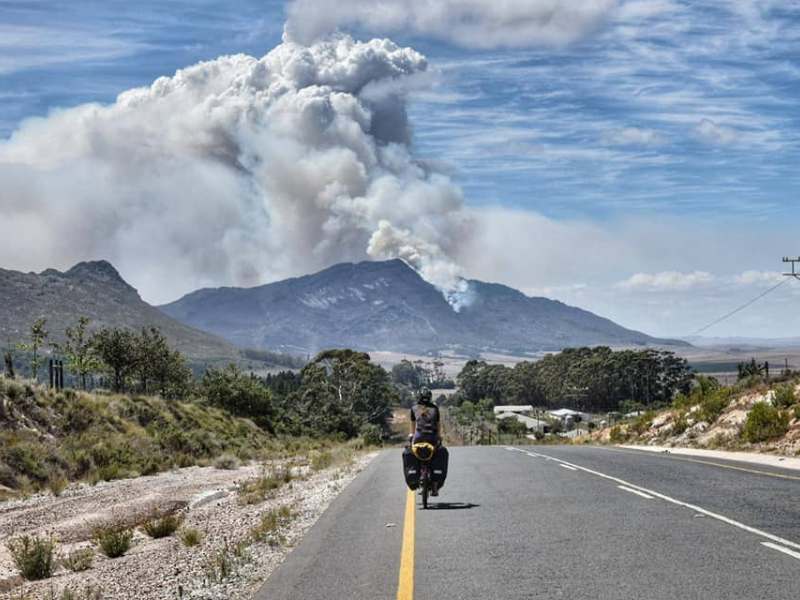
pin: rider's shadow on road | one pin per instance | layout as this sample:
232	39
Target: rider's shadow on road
452	505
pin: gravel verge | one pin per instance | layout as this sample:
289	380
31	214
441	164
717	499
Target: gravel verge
228	564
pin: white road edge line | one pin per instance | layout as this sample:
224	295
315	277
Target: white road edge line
791	553
698	509
637	492
568	467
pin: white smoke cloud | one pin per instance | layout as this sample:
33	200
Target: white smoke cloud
235	171
468	23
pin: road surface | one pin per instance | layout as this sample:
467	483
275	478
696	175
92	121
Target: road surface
555	522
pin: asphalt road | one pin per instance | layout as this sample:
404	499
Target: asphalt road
556	522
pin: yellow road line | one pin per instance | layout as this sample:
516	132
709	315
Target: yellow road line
405	586
683	458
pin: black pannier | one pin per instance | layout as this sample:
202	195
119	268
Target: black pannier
439	465
410	469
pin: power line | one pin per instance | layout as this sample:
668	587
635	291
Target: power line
741	308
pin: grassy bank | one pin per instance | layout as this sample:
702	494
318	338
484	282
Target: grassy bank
48	439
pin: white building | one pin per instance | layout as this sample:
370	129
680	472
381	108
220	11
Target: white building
529	422
511	408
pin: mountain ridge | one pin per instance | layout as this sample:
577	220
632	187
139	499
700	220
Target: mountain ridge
387	305
94	289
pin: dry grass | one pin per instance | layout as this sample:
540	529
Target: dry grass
257	490
78	560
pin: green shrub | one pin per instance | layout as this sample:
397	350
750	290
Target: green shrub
162	527
33	556
226	462
28	458
190	536
784	396
642	423
370	434
15	391
57	483
764	422
269	528
113	540
680	424
713	404
321	460
256	490
78	560
617	435
90	593
220	565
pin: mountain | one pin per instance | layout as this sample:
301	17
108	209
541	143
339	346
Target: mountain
95	290
388	306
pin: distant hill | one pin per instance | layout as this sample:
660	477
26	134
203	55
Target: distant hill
388	306
95	290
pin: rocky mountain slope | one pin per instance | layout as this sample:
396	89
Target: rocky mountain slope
94	290
388	306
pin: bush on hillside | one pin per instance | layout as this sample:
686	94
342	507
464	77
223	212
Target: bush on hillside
713	404
78	560
784	396
764	422
370	434
33	556
160	527
113	540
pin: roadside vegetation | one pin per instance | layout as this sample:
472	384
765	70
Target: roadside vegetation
754	414
593	380
152	414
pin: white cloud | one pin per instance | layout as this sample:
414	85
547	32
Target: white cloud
713	133
26	46
757	277
635	136
469	23
666	281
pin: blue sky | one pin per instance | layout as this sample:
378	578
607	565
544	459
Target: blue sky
670	125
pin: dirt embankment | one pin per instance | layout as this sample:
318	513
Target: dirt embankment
241	541
690	427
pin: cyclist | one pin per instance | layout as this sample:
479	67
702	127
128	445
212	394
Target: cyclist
426	425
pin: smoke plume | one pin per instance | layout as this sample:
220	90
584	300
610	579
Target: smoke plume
236	171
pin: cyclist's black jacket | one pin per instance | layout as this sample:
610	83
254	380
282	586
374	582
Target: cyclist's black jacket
426	417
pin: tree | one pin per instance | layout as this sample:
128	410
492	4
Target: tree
158	367
79	351
116	349
9	360
586	379
38	337
240	394
343	390
408	374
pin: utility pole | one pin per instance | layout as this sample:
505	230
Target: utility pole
795	269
